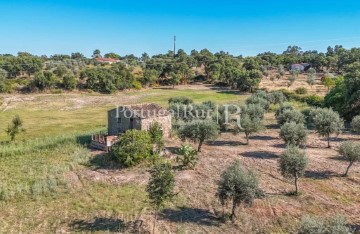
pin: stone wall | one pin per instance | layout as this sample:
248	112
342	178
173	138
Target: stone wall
119	123
164	121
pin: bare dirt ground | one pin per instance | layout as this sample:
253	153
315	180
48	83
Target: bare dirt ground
324	191
282	83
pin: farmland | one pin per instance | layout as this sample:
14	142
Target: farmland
51	181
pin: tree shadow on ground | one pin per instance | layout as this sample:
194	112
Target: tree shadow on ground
263	138
318	175
225	143
84	139
99	224
105	161
190	215
259	155
272	126
282	146
173	150
339	158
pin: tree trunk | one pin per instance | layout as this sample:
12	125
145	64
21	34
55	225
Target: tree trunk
328	137
233	212
296	185
247	138
199	147
347	169
155	219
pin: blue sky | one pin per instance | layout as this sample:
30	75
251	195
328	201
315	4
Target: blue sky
124	27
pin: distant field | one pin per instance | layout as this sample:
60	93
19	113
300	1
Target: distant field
56	114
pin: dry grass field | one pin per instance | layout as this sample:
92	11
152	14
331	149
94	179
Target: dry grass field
83	191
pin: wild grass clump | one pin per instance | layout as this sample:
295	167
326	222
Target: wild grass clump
38	167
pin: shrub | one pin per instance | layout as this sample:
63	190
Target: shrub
161	186
44	80
276	97
355	124
314	100
69	82
133	146
136	85
254	111
282	108
239	186
180	100
156	135
301	90
351	151
290	116
293	133
189	156
257	99
292	164
327	122
318	225
15	128
311	79
199	131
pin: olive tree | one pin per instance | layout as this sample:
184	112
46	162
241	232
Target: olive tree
351	151
255	111
161	186
292	164
293	133
355	124
132	147
284	106
249	126
198	131
288	116
239	186
327	122
276	97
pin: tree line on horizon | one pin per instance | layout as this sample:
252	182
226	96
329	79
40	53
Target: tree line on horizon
28	73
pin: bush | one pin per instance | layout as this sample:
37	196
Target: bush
254	111
258	100
180	100
69	82
189	156
136	85
288	116
292	164
133	146
156	135
301	90
282	108
276	97
293	133
239	186
355	124
351	151
44	80
314	100
318	225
